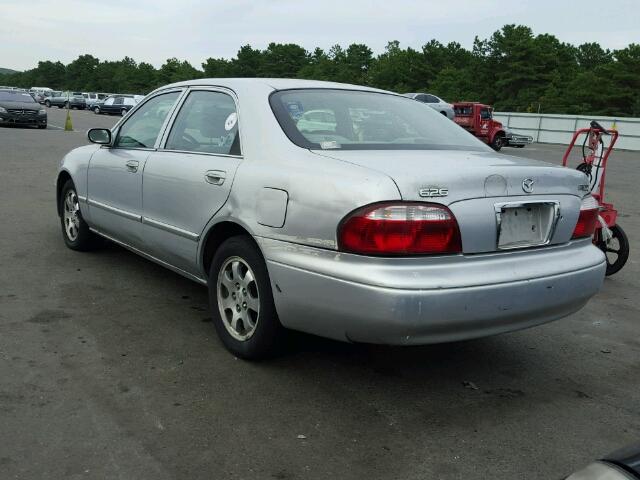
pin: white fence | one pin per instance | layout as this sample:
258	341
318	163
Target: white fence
548	128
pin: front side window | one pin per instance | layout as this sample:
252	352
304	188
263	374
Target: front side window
207	123
485	114
142	128
109	101
358	120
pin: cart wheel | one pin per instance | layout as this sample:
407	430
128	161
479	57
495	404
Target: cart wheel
616	250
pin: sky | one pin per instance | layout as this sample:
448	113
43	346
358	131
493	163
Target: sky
194	30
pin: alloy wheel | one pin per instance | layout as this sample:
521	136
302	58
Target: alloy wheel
238	298
71	215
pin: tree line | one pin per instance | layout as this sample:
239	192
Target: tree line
514	70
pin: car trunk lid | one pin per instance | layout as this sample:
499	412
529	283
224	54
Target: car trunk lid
482	189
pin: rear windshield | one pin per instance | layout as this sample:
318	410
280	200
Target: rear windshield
16	97
332	119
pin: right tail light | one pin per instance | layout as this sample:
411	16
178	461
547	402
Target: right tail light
588	218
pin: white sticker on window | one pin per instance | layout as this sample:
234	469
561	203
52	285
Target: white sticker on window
329	145
231	121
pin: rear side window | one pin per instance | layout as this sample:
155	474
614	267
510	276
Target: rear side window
142	128
207	123
118	101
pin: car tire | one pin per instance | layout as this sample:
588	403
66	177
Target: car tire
60	106
96	110
75	230
47	103
123	112
497	143
241	300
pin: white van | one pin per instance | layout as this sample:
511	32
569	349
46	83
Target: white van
41	90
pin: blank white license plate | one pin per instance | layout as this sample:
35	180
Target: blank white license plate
525	225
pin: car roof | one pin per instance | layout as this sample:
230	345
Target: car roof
274	83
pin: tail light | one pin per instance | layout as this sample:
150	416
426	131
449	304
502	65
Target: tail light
588	218
400	229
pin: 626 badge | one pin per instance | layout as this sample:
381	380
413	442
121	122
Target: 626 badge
431	192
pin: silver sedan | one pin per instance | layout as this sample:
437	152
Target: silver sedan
438	104
342	211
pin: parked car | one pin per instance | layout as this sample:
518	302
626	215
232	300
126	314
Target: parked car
73	100
39	97
19	108
93	98
434	102
517	140
115	105
396	226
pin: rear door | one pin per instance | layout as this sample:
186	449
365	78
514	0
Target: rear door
189	178
115	172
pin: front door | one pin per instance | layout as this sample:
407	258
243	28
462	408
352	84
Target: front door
114	184
188	180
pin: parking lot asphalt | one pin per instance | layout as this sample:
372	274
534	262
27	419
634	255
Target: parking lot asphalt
111	369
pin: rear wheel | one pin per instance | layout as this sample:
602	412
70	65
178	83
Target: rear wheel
616	250
241	300
96	110
47	103
497	143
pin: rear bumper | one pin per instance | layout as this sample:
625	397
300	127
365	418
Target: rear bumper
428	300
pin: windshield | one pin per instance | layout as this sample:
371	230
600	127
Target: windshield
16	97
357	120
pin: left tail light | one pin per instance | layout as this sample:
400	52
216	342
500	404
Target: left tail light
400	229
588	218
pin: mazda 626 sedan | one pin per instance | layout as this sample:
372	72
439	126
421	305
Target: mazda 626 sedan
380	221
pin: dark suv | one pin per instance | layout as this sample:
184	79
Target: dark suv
116	104
67	100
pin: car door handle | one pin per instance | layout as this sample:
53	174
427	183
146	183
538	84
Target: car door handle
132	165
215	177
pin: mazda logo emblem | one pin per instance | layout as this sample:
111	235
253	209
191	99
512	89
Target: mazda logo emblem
527	185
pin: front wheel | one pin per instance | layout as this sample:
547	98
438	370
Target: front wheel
75	230
241	300
123	112
96	110
47	103
616	250
497	143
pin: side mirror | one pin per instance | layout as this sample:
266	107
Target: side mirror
101	136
